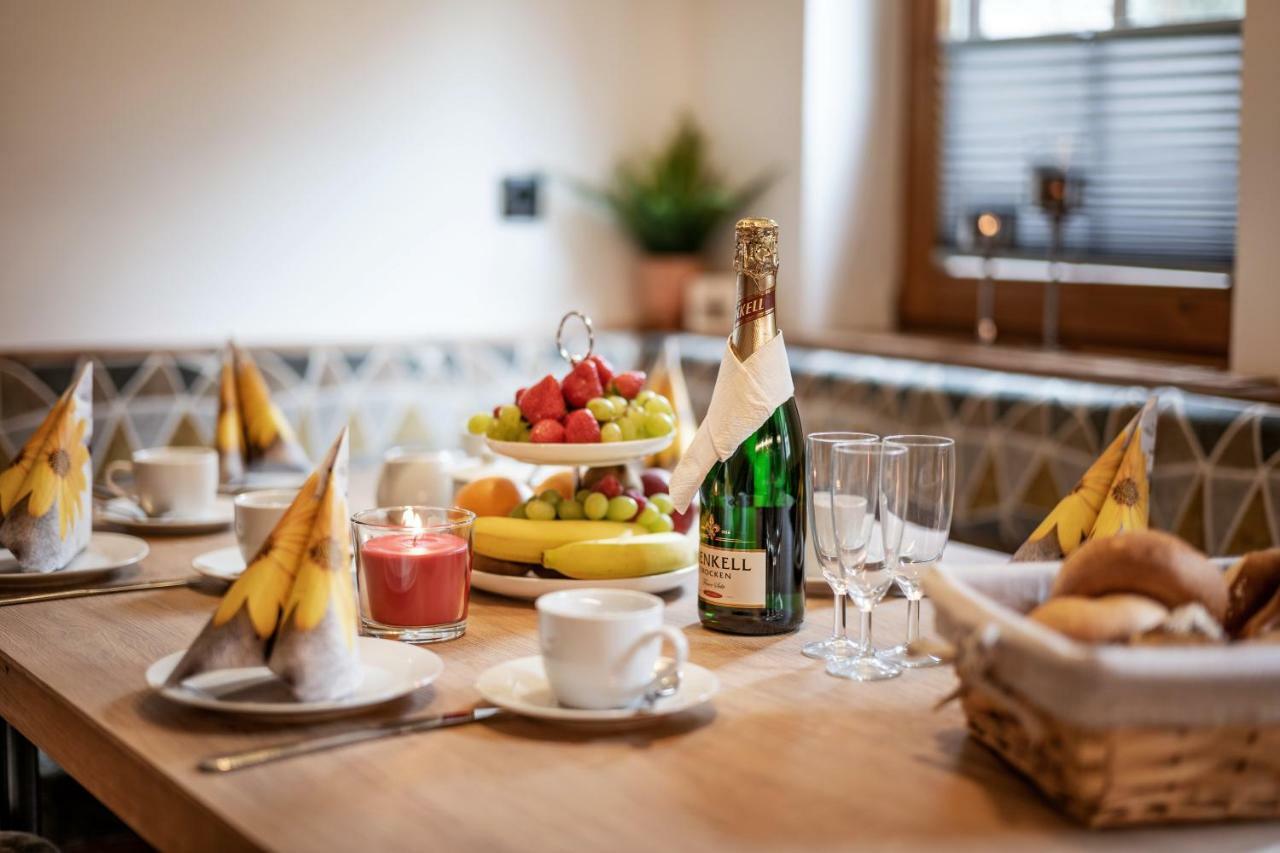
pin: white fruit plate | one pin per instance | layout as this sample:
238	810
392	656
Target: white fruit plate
530	587
602	453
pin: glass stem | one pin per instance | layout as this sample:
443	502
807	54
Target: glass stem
913	620
840	630
864	631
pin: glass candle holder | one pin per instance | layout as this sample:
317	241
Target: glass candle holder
413	570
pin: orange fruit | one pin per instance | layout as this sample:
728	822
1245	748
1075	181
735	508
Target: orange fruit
563	482
491	495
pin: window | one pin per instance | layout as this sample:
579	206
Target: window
1132	107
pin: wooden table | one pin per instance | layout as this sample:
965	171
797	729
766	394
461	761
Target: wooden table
786	758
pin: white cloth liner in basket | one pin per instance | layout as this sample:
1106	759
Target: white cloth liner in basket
980	611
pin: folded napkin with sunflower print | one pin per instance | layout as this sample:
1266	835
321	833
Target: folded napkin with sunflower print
45	497
1113	496
252	434
293	607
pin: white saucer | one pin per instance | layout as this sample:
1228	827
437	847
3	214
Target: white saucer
600	453
224	564
528	587
520	686
391	670
118	513
265	480
107	553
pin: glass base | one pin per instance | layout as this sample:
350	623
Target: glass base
902	656
831	647
869	668
412	634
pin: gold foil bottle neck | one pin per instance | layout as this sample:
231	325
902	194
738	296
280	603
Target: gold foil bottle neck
756	252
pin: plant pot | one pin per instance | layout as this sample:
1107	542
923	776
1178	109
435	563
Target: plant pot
661	281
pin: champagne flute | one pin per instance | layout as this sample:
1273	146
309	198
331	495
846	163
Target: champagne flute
818	457
926	525
863	477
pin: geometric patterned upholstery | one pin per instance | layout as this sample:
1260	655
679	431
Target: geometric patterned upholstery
1022	441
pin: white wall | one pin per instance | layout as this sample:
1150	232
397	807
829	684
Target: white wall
290	170
1256	301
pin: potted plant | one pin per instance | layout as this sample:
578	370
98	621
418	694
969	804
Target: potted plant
669	203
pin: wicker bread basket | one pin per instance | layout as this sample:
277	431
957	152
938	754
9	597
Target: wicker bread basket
1114	736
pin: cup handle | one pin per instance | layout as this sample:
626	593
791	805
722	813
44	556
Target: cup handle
108	477
678	643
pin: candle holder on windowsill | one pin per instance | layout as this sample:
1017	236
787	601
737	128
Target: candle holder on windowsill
1059	193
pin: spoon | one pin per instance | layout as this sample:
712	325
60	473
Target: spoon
665	683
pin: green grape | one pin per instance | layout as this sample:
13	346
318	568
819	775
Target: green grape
622	508
582	495
509	415
647	515
602	409
628	427
495	430
610	432
540	510
551	496
596	506
658	405
662	501
619	404
569	510
517	511
477	424
661	524
644	396
658	425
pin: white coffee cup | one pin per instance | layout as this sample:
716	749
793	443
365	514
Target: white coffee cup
416	477
174	481
257	514
599	646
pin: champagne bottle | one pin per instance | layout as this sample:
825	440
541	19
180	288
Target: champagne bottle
751	543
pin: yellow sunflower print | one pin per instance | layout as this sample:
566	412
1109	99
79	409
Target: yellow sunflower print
263	422
1076	514
323	579
1127	505
50	468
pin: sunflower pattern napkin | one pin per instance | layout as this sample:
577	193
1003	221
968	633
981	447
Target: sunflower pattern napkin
252	434
293	608
1113	496
45	497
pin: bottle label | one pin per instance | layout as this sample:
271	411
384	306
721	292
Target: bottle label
731	578
755	306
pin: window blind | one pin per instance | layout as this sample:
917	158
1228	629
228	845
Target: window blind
1149	118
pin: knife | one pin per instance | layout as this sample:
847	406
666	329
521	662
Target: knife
81	592
230	761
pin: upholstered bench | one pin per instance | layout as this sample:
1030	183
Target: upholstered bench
1022	440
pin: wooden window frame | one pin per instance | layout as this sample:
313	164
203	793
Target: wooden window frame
1187	324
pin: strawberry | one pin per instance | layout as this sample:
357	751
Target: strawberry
603	368
547	432
581	427
629	384
543	401
519	394
581	384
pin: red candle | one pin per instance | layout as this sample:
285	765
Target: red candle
417	579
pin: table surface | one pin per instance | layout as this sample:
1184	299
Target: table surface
784	758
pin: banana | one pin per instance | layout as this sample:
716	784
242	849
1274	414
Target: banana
522	540
623	557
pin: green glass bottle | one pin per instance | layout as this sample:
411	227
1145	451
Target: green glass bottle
751	543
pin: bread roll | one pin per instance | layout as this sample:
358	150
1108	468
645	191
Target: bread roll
1144	562
1265	621
1252	582
1109	619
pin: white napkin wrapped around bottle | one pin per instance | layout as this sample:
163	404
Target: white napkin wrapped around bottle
746	394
